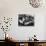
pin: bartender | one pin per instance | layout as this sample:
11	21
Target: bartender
34	38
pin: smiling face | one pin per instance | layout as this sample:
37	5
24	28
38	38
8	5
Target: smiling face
35	3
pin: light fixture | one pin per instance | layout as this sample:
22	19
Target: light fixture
35	3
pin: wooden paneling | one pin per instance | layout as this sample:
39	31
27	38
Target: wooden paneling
25	44
17	44
40	44
44	44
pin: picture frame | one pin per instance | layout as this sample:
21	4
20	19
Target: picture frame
25	20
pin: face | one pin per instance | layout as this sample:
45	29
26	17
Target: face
35	3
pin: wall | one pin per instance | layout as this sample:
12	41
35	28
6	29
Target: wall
11	8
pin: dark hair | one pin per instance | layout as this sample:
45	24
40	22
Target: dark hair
34	35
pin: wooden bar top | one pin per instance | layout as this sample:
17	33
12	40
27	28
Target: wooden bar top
40	41
27	41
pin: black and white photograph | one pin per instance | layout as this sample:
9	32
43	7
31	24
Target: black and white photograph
25	20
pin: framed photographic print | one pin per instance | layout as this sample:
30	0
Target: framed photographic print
25	20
